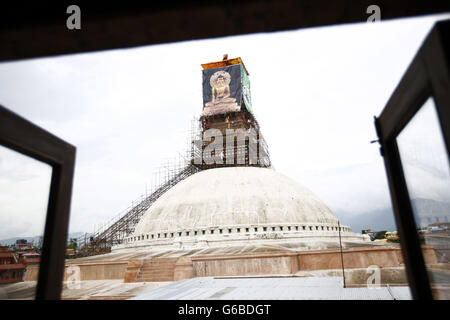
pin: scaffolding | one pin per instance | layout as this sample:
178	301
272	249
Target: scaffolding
175	170
114	231
249	142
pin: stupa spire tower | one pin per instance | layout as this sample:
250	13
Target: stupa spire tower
230	135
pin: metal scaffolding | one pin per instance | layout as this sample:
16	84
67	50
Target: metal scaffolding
122	225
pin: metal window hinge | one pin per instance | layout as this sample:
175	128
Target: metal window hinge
378	140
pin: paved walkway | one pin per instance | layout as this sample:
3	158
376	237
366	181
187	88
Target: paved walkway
84	290
243	288
271	288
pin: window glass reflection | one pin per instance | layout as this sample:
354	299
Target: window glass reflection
426	168
24	192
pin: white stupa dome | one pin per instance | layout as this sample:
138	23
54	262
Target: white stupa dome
235	203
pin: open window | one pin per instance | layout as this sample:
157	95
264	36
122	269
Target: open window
26	138
414	133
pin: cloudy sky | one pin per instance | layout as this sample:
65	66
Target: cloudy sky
424	157
314	91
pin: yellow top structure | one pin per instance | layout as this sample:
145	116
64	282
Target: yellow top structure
225	62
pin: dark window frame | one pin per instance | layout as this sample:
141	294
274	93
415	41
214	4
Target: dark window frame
20	135
428	75
22	25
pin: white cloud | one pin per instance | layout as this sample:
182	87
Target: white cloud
24	190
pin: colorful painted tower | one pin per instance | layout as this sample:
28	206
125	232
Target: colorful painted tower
230	133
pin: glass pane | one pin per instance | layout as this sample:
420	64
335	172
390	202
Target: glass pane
24	192
426	167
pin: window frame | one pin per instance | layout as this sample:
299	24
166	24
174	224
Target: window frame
428	75
21	135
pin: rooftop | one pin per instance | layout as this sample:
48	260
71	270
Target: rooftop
271	288
225	62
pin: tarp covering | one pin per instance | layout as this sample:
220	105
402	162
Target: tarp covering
222	90
246	96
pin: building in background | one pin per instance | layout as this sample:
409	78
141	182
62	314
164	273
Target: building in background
11	269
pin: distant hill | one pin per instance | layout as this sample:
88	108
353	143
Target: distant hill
377	220
383	219
35	239
431	207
